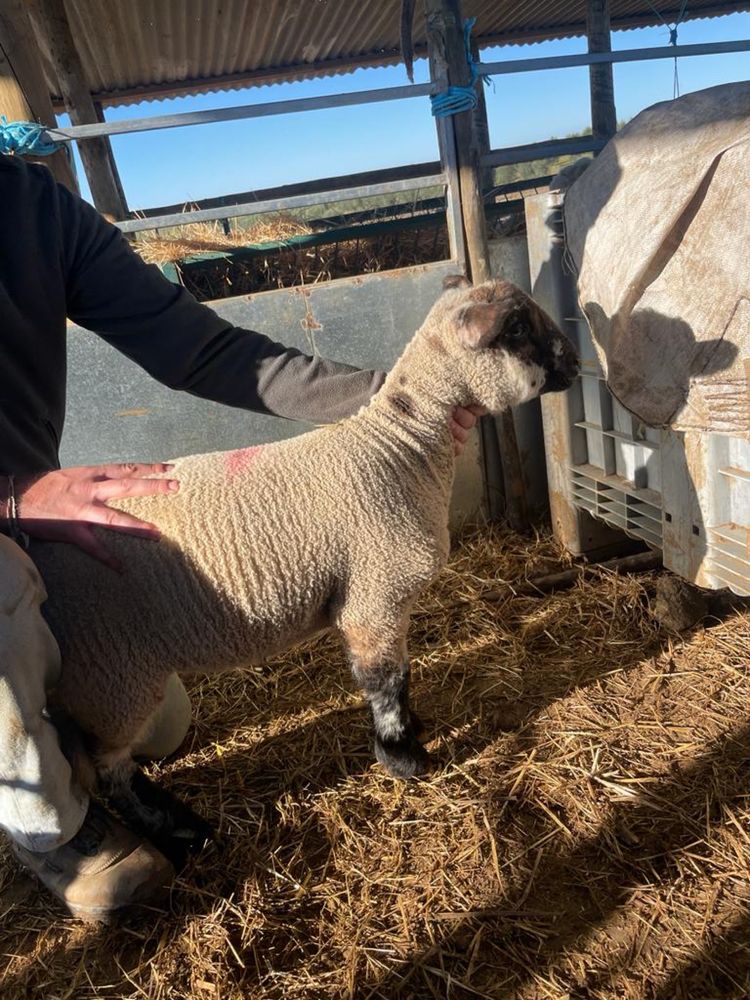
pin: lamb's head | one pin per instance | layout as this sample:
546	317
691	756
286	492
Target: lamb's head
504	347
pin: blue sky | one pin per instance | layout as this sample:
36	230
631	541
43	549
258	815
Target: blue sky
185	164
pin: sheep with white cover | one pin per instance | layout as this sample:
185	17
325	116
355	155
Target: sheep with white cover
344	526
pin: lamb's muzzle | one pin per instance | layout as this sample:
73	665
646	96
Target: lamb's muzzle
565	365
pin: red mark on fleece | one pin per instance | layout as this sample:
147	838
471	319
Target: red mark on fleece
238	461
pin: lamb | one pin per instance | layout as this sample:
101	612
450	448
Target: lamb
341	527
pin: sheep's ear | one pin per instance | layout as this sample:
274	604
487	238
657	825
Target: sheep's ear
455	281
480	323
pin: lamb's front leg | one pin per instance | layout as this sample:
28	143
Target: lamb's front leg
380	667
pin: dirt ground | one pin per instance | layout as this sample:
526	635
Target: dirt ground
585	834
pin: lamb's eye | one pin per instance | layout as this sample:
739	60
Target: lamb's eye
516	332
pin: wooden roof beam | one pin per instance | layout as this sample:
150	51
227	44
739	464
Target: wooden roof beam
52	24
23	90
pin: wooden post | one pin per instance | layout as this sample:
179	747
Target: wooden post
481	130
603	112
96	154
504	437
446	135
116	173
24	95
462	138
448	66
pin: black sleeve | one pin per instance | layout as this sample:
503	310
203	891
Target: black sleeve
184	344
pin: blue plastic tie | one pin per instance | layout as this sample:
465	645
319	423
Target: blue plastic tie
456	99
26	138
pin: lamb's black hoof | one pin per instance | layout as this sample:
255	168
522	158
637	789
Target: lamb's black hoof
170	824
185	833
404	758
417	726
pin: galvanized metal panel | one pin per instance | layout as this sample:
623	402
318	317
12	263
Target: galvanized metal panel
686	493
562	413
117	412
509	259
136	49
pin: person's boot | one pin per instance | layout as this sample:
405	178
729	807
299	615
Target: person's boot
103	869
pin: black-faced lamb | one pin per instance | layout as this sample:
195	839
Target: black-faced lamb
342	527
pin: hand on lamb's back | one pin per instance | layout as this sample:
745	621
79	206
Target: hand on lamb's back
65	504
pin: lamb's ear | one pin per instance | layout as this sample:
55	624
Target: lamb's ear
455	281
480	323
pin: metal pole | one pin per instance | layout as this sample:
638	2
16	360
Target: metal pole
624	55
242	112
541	150
386	94
279	204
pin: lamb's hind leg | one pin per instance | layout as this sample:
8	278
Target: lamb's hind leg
138	718
380	667
148	809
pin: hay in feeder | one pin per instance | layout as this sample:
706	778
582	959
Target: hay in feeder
292	266
209	237
284	266
586	832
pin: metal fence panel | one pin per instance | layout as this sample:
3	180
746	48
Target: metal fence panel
117	412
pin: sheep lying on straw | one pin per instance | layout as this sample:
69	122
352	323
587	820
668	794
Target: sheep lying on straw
262	547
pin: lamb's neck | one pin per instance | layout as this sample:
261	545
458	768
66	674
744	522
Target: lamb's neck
418	398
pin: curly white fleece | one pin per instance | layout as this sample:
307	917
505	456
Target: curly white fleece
261	547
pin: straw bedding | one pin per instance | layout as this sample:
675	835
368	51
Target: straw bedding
586	835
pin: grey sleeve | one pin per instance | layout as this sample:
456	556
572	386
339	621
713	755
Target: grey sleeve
183	343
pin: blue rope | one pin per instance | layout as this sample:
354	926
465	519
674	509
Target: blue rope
456	99
25	138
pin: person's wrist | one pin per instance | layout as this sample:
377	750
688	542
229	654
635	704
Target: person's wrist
10	506
4	493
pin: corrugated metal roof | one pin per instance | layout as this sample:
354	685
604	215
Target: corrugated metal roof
140	49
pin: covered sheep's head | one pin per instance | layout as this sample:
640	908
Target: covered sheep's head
508	349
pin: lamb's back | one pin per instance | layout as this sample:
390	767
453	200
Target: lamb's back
217	584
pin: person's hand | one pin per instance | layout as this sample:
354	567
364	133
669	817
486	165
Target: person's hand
463	421
64	505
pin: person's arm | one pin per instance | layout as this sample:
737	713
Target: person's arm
186	345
